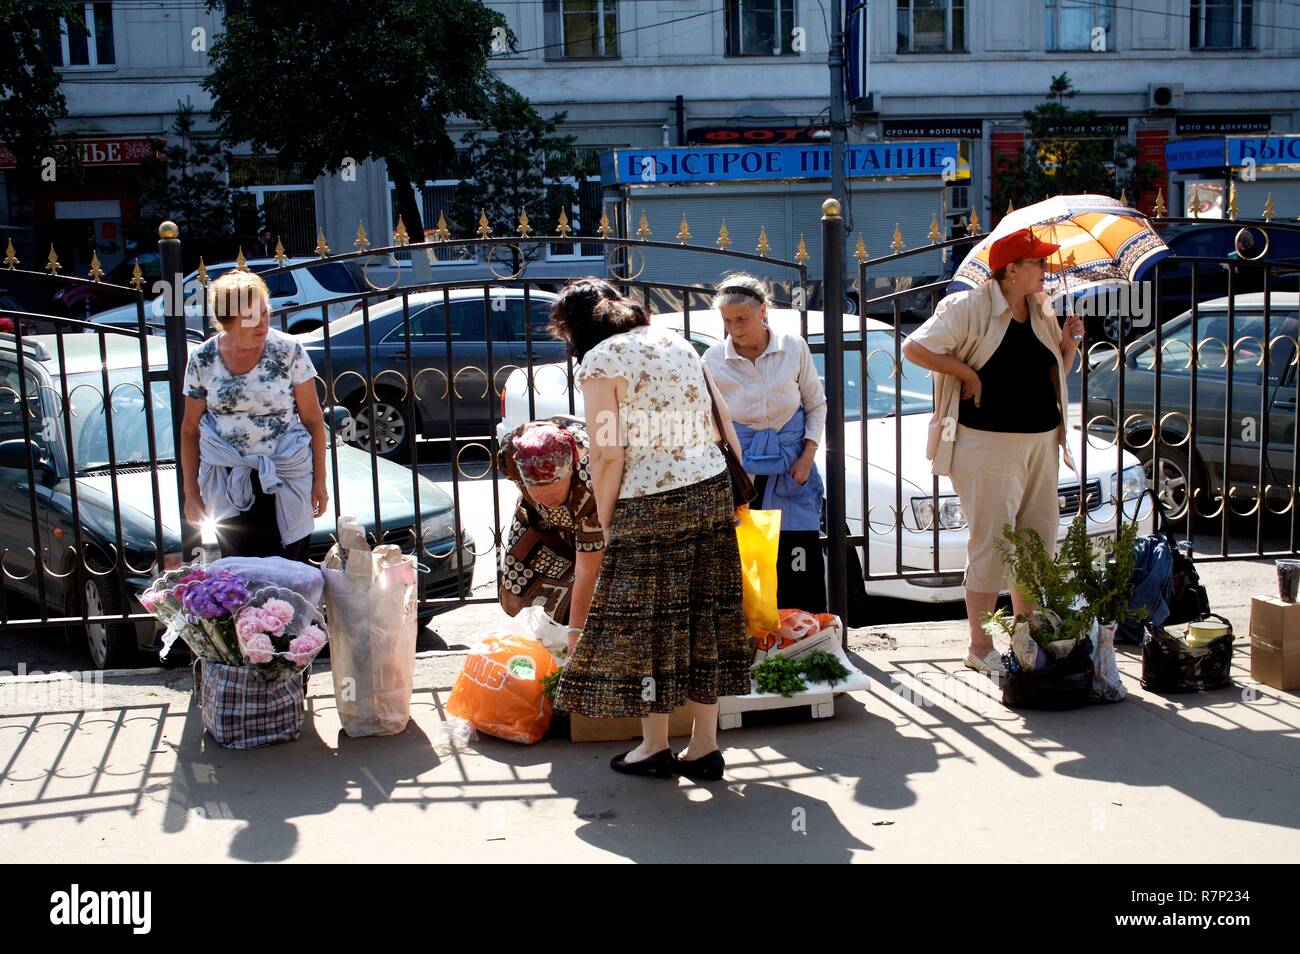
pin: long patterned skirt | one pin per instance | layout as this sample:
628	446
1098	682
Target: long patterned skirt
665	623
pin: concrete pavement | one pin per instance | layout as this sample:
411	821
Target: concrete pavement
927	766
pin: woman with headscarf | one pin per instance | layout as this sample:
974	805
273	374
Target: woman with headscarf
553	553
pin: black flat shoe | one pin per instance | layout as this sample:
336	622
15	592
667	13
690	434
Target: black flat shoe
707	768
660	765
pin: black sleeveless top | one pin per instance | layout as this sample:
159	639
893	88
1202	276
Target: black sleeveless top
1019	394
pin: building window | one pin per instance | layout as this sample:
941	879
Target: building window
931	26
1071	24
74	46
760	27
581	28
1222	24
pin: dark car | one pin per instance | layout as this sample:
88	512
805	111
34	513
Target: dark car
463	387
124	523
82	301
1262	413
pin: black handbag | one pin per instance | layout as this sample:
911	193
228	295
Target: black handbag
1170	665
1065	684
742	486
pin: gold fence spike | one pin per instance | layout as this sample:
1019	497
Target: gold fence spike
322	249
604	230
563	228
1010	208
11	258
362	243
1159	208
484	230
1269	211
241	265
400	236
203	273
897	244
764	246
935	235
643	228
973	228
723	239
860	253
52	263
684	232
524	228
137	277
1232	201
801	253
1123	197
441	233
280	257
96	273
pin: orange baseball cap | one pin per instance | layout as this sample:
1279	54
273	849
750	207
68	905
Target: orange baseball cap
1018	245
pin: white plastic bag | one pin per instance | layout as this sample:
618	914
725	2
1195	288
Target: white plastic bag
370	602
554	636
1106	685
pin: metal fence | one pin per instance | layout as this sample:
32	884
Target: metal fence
416	380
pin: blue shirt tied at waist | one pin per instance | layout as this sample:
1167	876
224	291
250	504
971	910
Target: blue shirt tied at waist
774	452
226	478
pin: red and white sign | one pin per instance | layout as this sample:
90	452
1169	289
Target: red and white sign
97	152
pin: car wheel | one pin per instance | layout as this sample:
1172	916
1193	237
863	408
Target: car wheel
1178	474
1110	328
111	645
390	431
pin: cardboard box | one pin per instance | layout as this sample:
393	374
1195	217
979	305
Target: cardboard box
1275	642
586	729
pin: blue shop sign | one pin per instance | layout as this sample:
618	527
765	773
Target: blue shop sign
1195	154
739	163
1264	150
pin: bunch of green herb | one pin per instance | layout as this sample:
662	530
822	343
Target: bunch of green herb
821	666
1049	582
1103	569
550	684
777	674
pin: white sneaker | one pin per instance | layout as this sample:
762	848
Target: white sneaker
991	661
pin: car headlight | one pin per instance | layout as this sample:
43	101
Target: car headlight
1128	483
951	516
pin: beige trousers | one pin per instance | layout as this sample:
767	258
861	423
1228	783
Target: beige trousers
1004	478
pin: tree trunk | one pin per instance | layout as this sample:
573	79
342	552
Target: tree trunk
421	271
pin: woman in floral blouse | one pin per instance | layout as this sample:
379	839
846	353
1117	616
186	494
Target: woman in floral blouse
665	627
253	438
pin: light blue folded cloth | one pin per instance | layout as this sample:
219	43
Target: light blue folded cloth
774	453
226	478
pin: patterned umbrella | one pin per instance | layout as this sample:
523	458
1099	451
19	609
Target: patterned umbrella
1103	242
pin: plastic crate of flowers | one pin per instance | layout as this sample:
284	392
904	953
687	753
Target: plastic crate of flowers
249	644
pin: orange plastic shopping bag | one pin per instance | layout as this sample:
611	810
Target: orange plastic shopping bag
499	691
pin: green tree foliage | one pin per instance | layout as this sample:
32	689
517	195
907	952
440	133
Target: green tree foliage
190	187
323	83
31	100
510	165
1066	154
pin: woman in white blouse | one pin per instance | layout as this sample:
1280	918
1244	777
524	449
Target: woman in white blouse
777	403
665	627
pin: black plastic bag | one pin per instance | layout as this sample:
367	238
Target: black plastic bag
1066	684
1170	665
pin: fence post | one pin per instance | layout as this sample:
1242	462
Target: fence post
833	333
169	260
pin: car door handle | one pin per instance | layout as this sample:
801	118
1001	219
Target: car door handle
1288	403
288	303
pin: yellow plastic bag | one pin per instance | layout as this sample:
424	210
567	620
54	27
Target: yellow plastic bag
757	534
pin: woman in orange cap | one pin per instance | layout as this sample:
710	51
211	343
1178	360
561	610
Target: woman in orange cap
1000	363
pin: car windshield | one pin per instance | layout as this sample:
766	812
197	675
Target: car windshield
90	420
885	394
